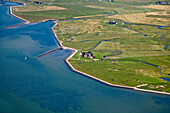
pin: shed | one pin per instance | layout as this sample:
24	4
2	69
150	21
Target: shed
162	2
81	54
36	2
111	0
88	54
112	22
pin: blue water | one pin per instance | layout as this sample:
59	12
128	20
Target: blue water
162	37
158	50
127	23
71	38
166	79
96	45
97	33
115	12
105	40
32	39
85	40
126	27
159	27
25	0
147	63
6	19
119	53
106	13
135	30
166	46
47	85
6	3
76	19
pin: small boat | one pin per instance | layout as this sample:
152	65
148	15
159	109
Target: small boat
25	58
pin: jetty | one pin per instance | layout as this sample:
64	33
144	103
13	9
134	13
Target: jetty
49	52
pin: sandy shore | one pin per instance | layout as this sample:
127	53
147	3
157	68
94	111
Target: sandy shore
97	79
87	75
16	15
107	83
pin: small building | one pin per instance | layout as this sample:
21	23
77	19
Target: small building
88	54
36	2
81	54
111	0
162	2
112	22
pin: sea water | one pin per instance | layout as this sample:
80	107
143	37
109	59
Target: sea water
47	85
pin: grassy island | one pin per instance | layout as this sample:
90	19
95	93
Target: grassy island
133	50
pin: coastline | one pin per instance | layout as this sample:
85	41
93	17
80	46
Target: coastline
107	83
82	73
10	11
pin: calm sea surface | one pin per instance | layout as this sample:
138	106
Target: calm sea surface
47	85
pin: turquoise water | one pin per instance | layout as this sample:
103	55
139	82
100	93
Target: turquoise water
47	85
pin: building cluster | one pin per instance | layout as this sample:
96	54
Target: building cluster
112	22
111	0
162	2
87	54
36	2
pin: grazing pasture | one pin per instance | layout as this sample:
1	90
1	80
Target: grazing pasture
126	52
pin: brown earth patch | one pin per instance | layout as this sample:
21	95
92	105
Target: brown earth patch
161	7
38	8
142	18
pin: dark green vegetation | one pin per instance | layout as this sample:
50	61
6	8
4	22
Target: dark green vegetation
126	71
83	25
72	11
158	16
79	8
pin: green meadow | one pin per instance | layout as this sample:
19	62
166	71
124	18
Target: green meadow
127	72
136	39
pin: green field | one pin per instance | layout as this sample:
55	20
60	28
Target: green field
135	39
127	72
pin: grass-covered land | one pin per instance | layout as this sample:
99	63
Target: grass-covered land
136	39
127	72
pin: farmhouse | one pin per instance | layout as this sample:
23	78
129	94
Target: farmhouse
88	54
162	2
36	2
112	22
111	0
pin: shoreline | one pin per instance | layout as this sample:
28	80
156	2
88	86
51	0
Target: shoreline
107	83
10	11
74	51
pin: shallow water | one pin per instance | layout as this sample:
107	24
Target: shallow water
6	19
6	3
166	79
47	85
